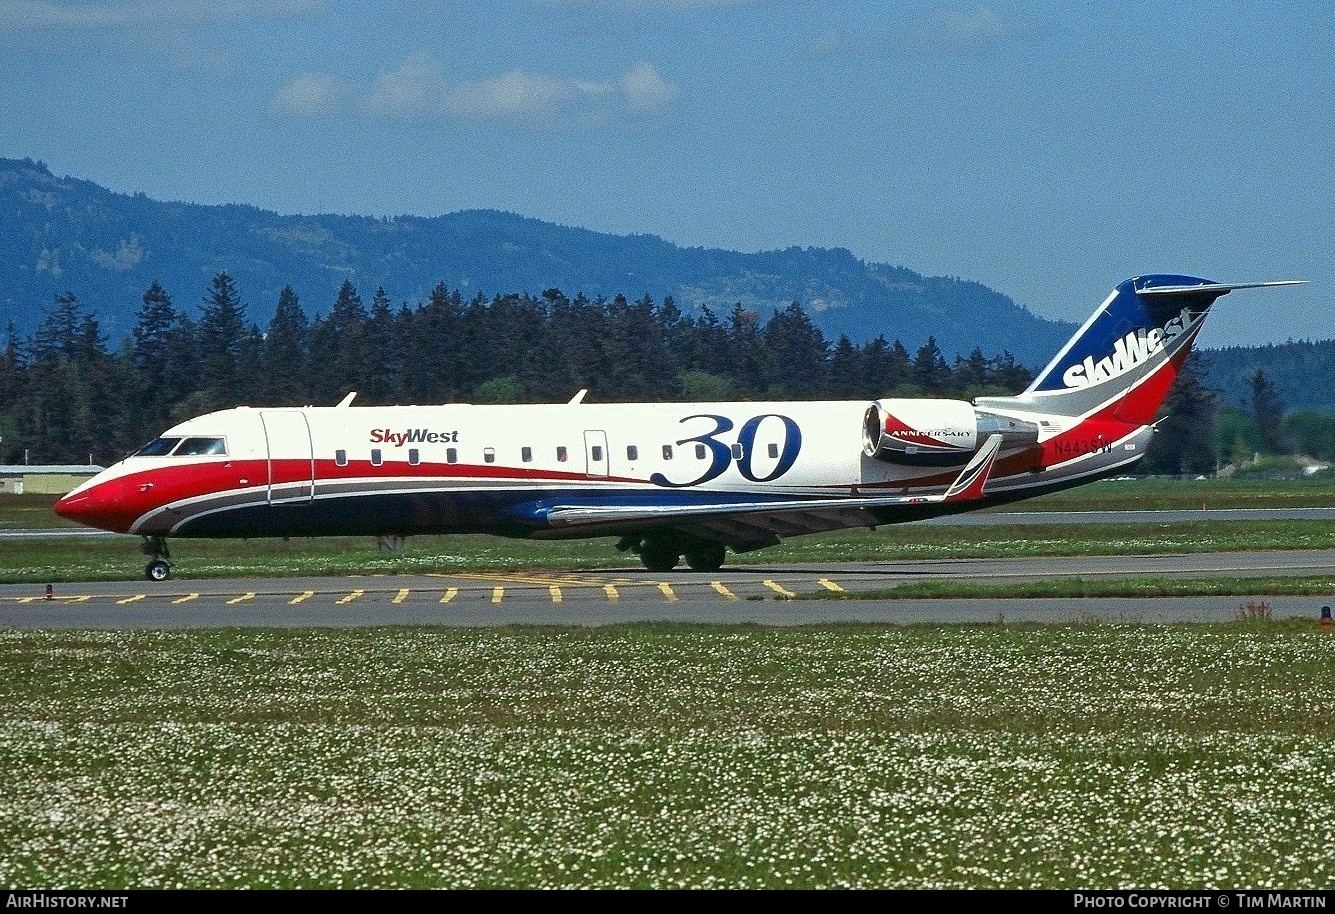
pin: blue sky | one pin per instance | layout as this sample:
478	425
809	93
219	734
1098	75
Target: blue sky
1046	149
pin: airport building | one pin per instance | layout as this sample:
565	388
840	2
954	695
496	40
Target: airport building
44	479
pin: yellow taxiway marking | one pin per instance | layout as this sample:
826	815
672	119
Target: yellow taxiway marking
830	585
555	592
718	585
249	595
497	593
611	591
667	592
187	598
352	596
450	594
304	595
401	595
779	589
576	580
135	598
55	599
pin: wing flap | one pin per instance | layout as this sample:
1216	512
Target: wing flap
764	522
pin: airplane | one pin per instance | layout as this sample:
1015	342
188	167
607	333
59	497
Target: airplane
671	480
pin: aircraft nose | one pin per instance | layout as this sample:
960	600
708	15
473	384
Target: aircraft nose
101	505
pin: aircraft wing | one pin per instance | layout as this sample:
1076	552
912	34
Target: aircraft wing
751	525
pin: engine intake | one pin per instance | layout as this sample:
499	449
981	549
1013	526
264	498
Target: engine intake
937	432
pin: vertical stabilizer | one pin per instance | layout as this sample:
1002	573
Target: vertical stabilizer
1127	355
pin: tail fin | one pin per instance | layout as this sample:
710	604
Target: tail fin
1130	350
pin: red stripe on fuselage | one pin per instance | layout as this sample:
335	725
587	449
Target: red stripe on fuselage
117	503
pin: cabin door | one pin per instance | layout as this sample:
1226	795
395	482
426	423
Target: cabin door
287	436
595	453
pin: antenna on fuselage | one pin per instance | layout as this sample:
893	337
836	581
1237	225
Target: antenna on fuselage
348	399
578	398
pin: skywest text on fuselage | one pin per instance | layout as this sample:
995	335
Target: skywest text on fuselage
412	436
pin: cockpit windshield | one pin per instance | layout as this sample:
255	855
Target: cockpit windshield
195	447
158	447
189	447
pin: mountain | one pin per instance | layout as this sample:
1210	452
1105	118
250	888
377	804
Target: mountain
1300	371
66	234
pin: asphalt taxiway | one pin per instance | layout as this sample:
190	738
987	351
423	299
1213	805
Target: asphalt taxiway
777	594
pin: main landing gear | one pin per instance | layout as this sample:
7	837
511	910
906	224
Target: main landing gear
159	566
664	552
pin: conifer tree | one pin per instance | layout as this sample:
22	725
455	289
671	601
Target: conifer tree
222	325
285	353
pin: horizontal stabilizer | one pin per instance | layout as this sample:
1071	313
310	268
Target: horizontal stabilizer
1215	288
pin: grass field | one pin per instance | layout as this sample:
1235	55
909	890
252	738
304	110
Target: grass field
673	756
1093	757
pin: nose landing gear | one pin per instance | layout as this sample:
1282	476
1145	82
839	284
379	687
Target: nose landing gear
159	567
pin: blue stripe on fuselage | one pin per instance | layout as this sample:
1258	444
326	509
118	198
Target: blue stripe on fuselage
418	513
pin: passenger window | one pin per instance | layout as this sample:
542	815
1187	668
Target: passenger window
199	447
699	452
596	453
489	455
667	452
562	455
414	457
376	459
526	454
341	458
632	452
737	451
157	447
773	450
451	455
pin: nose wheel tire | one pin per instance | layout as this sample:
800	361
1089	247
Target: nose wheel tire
157	570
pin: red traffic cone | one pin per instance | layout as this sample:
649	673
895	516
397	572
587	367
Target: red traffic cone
48	591
1325	618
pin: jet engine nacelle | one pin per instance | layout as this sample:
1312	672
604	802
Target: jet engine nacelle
937	432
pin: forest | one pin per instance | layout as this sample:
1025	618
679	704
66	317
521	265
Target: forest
69	395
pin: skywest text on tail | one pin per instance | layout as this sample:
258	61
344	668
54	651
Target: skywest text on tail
671	480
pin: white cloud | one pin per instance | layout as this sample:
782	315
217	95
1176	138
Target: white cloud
309	95
68	14
416	89
637	5
515	93
644	89
829	42
948	30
